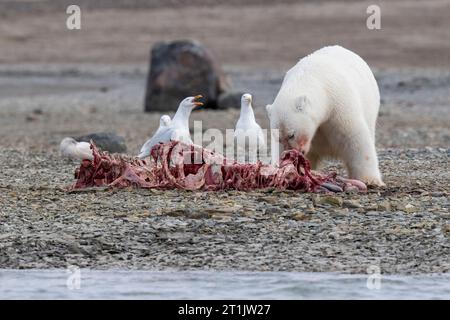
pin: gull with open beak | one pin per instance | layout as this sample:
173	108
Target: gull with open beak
177	129
248	129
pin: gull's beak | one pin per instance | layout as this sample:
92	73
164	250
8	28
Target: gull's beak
198	103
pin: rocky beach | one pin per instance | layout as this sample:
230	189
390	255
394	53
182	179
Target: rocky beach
49	91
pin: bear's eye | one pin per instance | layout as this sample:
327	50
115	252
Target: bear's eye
291	136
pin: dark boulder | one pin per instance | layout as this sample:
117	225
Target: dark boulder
106	141
181	69
231	99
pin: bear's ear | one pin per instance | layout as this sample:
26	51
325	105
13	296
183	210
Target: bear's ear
301	104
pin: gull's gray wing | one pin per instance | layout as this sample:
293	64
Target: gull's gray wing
161	135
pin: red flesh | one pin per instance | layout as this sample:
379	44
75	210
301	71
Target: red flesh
167	169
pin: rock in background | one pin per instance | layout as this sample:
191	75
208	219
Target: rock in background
106	141
181	69
231	99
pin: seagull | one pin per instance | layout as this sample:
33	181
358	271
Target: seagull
177	129
164	123
72	149
247	127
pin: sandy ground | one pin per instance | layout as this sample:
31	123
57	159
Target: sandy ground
56	83
265	34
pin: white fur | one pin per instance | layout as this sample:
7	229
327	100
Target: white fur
74	150
327	107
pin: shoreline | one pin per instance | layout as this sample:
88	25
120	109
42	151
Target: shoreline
149	285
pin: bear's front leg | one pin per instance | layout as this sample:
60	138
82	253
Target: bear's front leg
314	160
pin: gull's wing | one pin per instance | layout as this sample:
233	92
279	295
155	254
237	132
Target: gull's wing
150	141
261	135
161	135
181	135
241	124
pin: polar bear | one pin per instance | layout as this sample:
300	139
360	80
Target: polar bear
327	107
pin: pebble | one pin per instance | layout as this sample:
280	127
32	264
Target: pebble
384	206
273	210
438	194
446	228
351	204
331	200
300	216
409	208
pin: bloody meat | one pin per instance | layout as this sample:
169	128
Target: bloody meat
177	165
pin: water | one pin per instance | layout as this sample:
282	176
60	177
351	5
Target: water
63	284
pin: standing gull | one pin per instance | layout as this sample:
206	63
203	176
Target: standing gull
177	130
72	149
248	128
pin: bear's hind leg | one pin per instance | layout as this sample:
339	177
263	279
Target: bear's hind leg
360	157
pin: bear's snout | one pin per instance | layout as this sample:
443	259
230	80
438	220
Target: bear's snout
303	144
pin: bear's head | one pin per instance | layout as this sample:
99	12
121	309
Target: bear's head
295	121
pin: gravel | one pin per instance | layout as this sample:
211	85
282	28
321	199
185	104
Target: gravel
404	228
